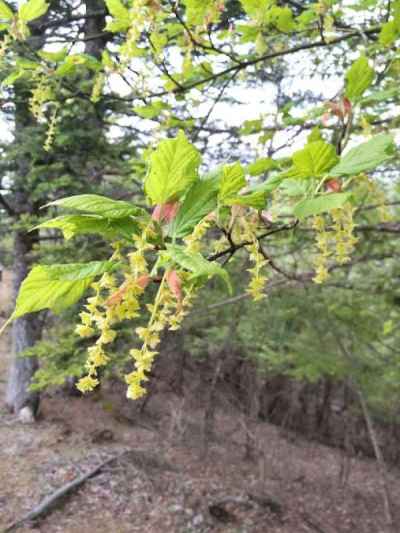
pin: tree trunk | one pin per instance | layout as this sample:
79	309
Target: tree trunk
96	38
25	332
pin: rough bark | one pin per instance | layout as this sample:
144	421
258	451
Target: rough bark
25	332
96	38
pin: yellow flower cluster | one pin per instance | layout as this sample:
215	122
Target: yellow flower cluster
41	93
258	279
220	244
340	232
102	312
94	318
166	313
193	241
343	227
143	14
51	130
97	88
322	242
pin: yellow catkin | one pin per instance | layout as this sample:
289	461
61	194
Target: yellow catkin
193	241
258	279
343	228
97	89
166	313
322	243
40	95
51	130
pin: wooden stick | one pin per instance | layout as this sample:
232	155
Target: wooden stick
53	499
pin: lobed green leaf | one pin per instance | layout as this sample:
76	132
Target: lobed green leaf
32	10
72	225
173	168
57	287
6	12
231	182
197	264
200	200
320	204
365	156
314	160
358	78
99	205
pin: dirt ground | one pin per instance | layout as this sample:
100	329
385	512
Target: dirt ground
163	483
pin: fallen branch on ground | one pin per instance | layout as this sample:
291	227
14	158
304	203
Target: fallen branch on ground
54	499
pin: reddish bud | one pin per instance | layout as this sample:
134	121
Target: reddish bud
266	216
335	109
143	281
165	212
340	109
117	296
333	185
325	119
346	106
175	284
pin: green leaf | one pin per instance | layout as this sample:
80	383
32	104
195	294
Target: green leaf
231	181
293	187
320	204
314	160
57	287
173	168
152	110
75	61
198	203
251	126
254	199
254	7
390	31
54	57
197	264
365	156
264	164
358	78
99	205
380	96
283	18
314	135
5	12
72	225
268	185
12	77
196	10
117	9
117	25
32	9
